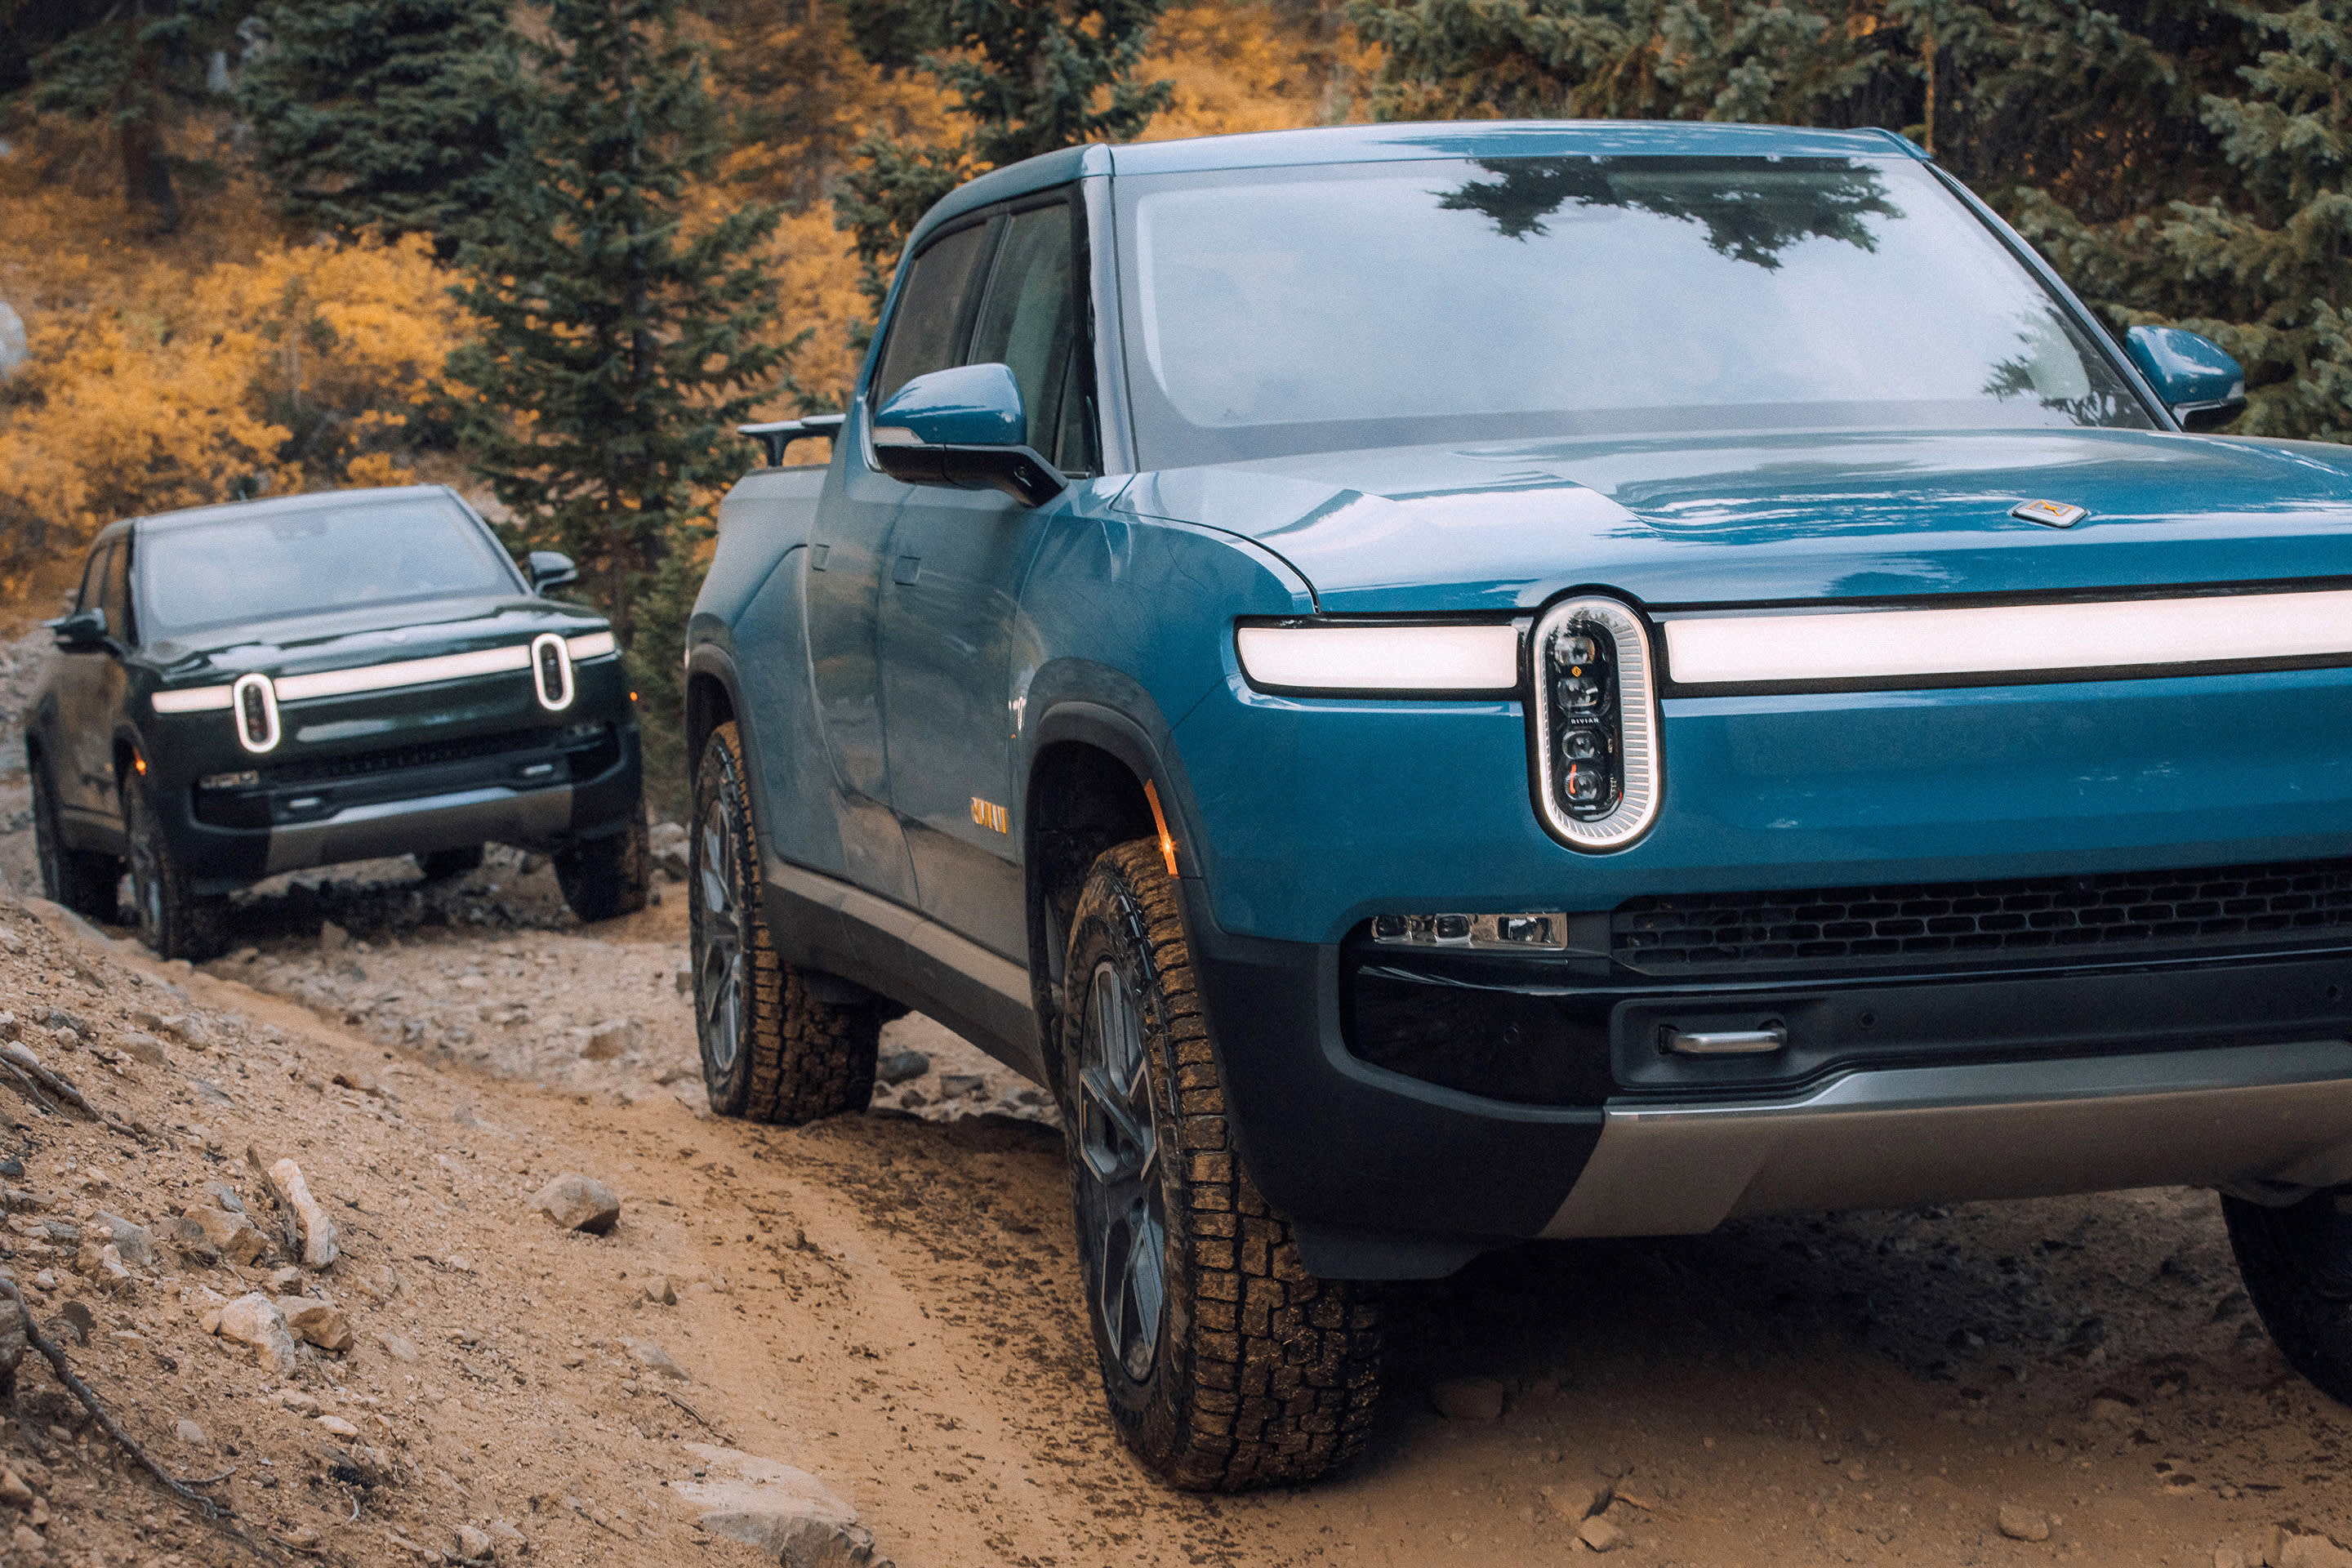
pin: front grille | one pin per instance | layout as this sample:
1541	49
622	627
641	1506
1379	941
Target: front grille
364	764
2039	919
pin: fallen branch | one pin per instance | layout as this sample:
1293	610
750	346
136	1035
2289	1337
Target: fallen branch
30	1073
112	1429
698	1415
25	1086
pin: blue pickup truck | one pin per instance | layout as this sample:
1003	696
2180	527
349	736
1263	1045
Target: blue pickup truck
1442	685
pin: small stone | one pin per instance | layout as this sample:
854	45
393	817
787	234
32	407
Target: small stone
133	1242
575	1201
661	1291
1600	1535
2228	1557
26	1541
2113	1409
188	1432
14	1491
957	1085
1614	1468
336	1426
473	1546
255	1320
359	1083
285	1282
2022	1523
142	1047
503	1531
101	1264
398	1348
318	1230
320	1323
297	1401
1469	1398
788	1514
655	1359
666	843
1579	1499
302	1537
900	1066
2310	1551
332	938
232	1235
611	1038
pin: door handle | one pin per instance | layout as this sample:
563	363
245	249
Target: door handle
908	568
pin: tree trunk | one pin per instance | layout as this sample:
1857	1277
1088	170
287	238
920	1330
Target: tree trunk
146	178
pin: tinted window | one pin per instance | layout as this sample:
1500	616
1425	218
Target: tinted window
259	567
1025	317
93	577
1443	300
926	328
114	594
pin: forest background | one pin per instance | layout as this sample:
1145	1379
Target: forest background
551	253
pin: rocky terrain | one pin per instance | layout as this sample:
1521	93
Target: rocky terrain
870	1327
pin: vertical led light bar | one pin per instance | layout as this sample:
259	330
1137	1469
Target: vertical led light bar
1595	714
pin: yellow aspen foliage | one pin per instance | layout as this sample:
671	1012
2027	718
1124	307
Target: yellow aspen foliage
152	386
1251	64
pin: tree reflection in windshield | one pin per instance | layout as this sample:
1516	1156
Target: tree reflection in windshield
1747	218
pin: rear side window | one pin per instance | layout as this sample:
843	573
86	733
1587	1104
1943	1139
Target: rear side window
927	329
93	577
114	594
1028	317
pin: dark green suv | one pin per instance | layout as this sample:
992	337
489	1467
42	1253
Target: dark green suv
269	686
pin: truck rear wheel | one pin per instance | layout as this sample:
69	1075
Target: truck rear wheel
172	921
771	1049
604	878
443	864
2296	1263
83	880
1226	1365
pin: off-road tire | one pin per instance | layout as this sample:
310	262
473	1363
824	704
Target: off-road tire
1262	1374
446	865
605	878
84	880
770	1050
172	921
2296	1263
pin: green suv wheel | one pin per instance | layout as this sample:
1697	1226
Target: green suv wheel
602	878
771	1050
1226	1365
172	921
82	880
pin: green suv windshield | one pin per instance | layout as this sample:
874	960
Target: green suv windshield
264	565
1332	308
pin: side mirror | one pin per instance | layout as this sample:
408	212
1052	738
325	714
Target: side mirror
551	569
964	428
80	630
2199	381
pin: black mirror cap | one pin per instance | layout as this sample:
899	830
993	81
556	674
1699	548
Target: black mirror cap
83	629
551	569
2201	417
1018	471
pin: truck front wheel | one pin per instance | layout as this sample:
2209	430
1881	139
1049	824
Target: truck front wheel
1226	1365
2296	1263
772	1050
172	920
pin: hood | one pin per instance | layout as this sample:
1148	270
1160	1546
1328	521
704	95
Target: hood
377	634
1763	517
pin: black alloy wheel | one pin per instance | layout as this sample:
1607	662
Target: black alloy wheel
85	881
1224	1363
172	920
772	1050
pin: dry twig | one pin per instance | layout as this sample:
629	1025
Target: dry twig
698	1415
25	1086
183	1490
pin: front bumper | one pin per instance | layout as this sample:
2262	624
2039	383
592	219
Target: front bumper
2236	1075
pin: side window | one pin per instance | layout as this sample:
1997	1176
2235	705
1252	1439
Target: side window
115	596
93	577
1027	316
926	328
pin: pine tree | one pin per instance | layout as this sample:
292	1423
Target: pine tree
619	346
1031	76
135	68
391	115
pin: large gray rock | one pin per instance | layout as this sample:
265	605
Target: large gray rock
788	1514
255	1320
133	1242
575	1201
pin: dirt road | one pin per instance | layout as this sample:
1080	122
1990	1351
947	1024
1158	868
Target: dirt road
888	1302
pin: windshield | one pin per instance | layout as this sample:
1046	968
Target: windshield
1333	308
334	557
